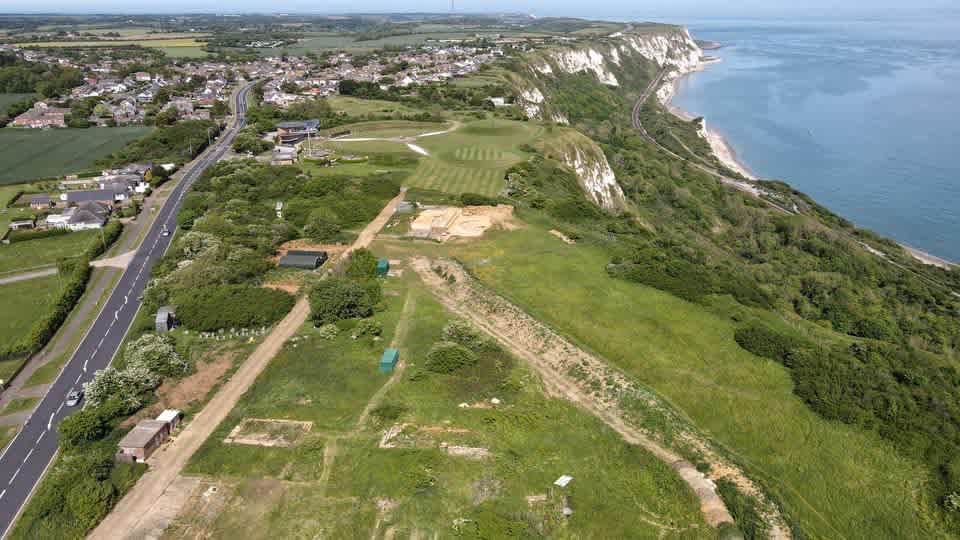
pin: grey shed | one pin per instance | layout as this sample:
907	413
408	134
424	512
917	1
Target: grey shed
165	319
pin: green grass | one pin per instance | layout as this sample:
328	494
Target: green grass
175	43
28	154
19	405
619	491
7	434
23	303
22	256
389	129
359	107
835	480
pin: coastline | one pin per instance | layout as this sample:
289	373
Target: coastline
718	143
728	156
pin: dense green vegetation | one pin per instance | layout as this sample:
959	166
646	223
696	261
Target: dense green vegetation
48	80
224	307
178	143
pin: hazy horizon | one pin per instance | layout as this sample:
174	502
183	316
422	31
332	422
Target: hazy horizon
571	8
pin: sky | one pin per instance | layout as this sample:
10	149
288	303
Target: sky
640	9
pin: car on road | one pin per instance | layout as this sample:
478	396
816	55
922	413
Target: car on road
165	232
74	397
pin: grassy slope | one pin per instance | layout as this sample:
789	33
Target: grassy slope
618	491
835	479
30	154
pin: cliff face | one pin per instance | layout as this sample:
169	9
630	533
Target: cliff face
610	61
673	49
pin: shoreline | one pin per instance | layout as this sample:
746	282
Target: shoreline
728	156
718	143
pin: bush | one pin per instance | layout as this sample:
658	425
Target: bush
764	342
23	236
155	353
447	357
476	199
328	332
84	427
217	307
337	299
744	511
368	327
457	331
361	265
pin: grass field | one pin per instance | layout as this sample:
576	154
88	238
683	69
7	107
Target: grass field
22	304
180	42
22	256
359	107
28	154
390	128
837	482
417	489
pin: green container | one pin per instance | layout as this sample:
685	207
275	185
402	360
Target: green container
389	360
383	266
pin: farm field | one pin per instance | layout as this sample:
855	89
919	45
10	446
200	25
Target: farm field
332	476
832	479
28	154
153	43
22	304
22	256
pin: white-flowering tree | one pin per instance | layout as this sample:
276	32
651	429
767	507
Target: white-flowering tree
125	385
156	354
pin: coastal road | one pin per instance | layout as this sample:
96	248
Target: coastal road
26	458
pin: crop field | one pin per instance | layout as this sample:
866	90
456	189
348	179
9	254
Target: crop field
28	154
181	42
483	469
833	479
31	254
22	304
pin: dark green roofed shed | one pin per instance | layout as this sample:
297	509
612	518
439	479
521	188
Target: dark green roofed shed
307	260
383	266
389	360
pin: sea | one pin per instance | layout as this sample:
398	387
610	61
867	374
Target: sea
863	115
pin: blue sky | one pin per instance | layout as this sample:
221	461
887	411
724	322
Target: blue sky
595	8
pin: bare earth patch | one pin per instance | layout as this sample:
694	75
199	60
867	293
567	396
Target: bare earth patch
562	237
443	223
268	432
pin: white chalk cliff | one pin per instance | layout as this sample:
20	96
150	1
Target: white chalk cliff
596	176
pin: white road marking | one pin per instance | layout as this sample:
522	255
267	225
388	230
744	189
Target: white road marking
78	379
60	407
2	493
50	422
14	477
30	453
40	438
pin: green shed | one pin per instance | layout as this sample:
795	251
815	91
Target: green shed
383	266
389	360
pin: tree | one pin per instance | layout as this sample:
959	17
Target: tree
84	427
156	354
168	117
220	108
361	265
336	299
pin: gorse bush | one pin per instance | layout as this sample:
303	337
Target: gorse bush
448	357
337	299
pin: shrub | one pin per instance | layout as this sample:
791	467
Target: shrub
368	327
328	332
122	388
232	306
476	199
457	331
84	427
447	357
156	354
764	342
22	236
744	511
362	264
336	299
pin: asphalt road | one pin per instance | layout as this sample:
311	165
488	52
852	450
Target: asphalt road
26	458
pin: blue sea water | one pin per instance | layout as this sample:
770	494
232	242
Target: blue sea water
864	116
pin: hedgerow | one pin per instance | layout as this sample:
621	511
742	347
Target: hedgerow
217	307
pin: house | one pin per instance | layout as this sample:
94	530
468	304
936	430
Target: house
42	116
41	202
107	196
85	216
284	155
294	132
144	439
304	260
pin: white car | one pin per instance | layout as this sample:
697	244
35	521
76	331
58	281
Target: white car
74	397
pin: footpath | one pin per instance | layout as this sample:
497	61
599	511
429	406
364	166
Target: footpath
158	496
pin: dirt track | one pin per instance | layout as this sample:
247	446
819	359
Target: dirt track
556	360
150	506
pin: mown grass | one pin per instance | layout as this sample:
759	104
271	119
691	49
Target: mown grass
19	405
619	491
22	256
28	154
837	482
359	107
22	304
